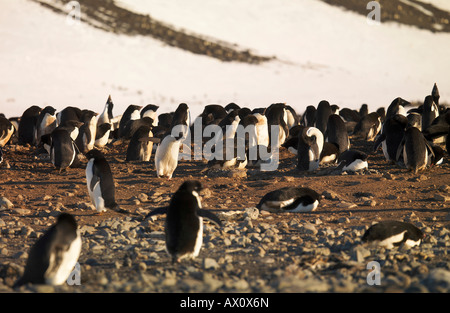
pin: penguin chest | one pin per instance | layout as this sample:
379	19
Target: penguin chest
94	188
62	262
392	241
166	157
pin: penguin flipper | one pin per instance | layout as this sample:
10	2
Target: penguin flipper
378	142
210	216
400	149
161	210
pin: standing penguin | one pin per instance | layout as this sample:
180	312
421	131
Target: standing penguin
166	155
309	116
131	113
100	183
322	114
87	133
397	106
368	127
107	115
337	133
391	234
309	148
415	150
290	199
262	129
435	94
63	151
140	146
102	135
150	111
46	123
184	222
277	116
6	131
430	112
27	125
391	136
54	255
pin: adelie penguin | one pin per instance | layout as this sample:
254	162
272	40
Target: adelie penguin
368	127
6	131
100	183
131	113
415	150
63	151
309	149
337	133
277	119
352	161
184	222
430	112
166	155
323	112
290	199
27	125
309	116
391	135
141	145
107	115
54	255
46	123
87	132
390	234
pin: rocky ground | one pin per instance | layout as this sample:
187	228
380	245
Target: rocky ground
254	251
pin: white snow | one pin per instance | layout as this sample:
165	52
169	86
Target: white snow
324	52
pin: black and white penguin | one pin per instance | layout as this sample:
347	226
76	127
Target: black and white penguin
309	116
430	111
435	94
72	127
63	150
69	114
363	110
397	106
231	106
227	154
6	131
391	136
349	115
87	132
27	125
140	146
330	153
290	199
184	222
46	123
335	109
368	127
352	161
102	135
262	128
322	114
166	155
440	127
337	133
150	111
100	183
277	117
107	115
415	150
414	119
292	118
437	157
309	148
390	234
229	124
291	142
132	112
54	255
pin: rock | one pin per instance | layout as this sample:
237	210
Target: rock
346	205
359	253
439	197
209	263
330	195
142	197
22	211
5	203
438	280
309	229
252	213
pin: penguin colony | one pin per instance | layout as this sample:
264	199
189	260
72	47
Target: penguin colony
408	137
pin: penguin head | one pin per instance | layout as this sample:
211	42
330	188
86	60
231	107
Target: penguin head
66	224
191	186
94	154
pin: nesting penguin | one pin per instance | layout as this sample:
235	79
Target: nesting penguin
368	127
184	222
415	150
390	234
352	161
54	255
290	199
166	155
100	183
309	148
